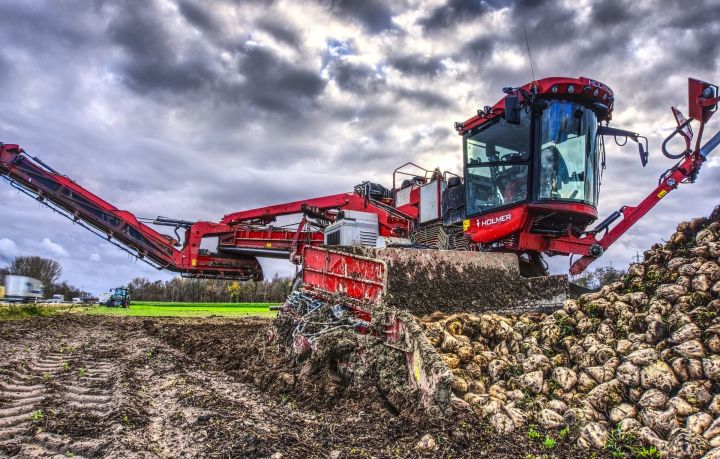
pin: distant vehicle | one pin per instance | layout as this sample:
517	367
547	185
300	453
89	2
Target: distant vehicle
89	300
76	300
118	297
22	289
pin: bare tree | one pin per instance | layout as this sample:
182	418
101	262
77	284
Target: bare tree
46	270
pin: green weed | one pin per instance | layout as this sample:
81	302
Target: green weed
647	452
549	442
564	432
533	433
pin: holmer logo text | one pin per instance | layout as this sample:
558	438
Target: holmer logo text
495	220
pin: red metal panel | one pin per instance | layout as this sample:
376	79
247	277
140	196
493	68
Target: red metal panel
496	225
355	276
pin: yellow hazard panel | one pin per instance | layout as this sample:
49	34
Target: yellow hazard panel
417	365
268	245
194	262
662	194
466	225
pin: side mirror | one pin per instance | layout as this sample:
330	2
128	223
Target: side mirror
634	136
643	154
512	109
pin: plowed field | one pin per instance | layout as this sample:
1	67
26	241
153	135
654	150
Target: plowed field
87	386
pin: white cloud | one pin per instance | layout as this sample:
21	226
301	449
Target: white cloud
54	248
95	257
8	248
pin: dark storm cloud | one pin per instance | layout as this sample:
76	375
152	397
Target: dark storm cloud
453	13
275	84
373	15
280	30
478	49
4	69
153	61
356	78
414	64
198	14
157	62
612	12
376	111
425	98
695	15
26	20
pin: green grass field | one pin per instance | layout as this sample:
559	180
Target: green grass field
153	309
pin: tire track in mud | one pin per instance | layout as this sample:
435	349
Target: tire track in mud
24	390
56	395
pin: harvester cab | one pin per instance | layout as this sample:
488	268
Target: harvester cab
546	161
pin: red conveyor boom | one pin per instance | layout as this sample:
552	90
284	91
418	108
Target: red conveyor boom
242	236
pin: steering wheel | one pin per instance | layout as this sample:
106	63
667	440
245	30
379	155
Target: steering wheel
511	157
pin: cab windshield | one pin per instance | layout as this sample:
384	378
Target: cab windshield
497	165
567	160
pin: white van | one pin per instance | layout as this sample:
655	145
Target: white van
22	289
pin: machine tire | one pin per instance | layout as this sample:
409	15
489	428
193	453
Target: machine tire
110	304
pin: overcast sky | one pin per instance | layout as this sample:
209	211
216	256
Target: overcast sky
194	109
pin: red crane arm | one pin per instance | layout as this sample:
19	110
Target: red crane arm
269	213
630	215
703	101
31	176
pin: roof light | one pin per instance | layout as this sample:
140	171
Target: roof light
554	88
571	89
596	92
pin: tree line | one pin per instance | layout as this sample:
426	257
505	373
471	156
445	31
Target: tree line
141	289
211	290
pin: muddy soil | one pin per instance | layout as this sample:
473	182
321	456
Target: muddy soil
80	386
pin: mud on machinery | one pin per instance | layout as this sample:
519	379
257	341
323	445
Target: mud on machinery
434	240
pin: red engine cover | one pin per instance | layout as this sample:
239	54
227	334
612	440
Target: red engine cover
497	225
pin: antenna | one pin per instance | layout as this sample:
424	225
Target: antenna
527	44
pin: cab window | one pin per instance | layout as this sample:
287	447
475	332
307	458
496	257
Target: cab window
497	167
567	153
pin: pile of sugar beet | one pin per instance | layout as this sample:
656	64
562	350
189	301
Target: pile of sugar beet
640	357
